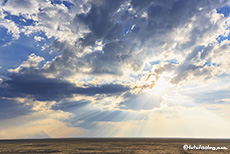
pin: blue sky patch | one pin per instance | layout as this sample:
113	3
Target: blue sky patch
201	47
155	62
224	10
208	63
19	20
172	61
221	38
5	37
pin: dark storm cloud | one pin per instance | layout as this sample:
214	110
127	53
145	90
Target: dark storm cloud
110	21
190	66
48	89
37	86
141	4
12	109
102	89
108	25
100	19
110	62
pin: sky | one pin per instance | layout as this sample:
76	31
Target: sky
106	68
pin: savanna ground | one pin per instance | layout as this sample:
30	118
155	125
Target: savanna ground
110	146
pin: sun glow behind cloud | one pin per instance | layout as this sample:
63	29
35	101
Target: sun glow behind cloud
162	84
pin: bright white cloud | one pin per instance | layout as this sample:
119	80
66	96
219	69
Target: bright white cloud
32	61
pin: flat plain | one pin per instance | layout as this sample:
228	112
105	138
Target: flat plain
110	146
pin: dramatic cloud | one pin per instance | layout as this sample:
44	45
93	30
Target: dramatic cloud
11	109
98	64
48	89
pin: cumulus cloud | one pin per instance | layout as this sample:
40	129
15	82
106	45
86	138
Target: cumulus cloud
131	32
33	61
11	28
24	7
149	38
